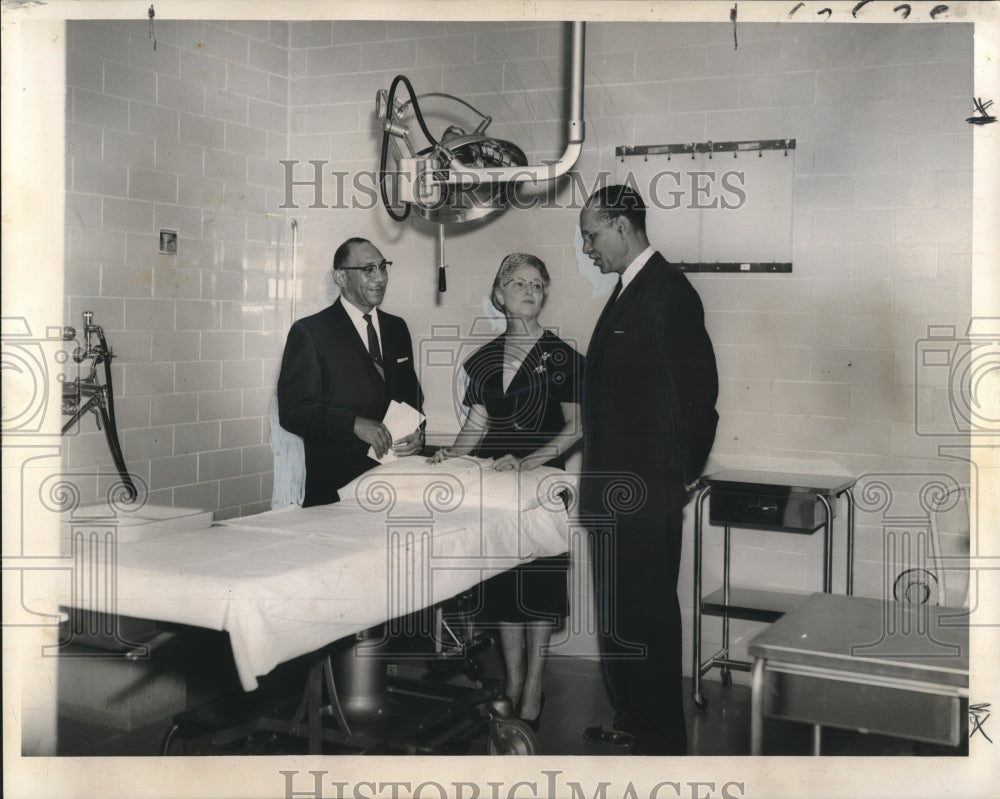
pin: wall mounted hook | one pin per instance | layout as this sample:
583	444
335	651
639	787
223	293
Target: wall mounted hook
152	25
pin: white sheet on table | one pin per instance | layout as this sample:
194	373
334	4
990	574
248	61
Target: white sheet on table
286	582
458	483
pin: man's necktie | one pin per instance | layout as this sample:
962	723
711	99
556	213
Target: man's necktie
609	303
616	292
373	348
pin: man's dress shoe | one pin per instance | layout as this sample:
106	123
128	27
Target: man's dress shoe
609	737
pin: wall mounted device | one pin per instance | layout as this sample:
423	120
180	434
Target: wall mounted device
461	176
168	242
88	393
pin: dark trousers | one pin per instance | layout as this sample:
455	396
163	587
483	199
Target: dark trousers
635	563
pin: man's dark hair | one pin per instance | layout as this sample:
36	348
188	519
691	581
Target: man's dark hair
611	202
344	251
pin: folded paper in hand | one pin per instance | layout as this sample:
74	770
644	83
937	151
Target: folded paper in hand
400	420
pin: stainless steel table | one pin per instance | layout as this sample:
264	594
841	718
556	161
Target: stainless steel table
886	667
761	500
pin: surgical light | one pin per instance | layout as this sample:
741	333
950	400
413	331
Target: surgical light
462	175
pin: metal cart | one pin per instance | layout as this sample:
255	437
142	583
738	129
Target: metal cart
779	501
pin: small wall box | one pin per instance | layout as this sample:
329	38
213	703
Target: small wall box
168	242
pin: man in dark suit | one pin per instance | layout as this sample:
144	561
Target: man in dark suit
649	422
340	369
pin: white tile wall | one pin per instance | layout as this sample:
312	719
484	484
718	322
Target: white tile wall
162	139
815	367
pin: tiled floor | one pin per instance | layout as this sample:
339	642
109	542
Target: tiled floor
574	699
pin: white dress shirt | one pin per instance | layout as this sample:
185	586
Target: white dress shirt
636	266
358	317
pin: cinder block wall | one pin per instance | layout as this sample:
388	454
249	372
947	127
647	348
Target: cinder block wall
818	368
184	137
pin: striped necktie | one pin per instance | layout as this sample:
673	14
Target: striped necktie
373	348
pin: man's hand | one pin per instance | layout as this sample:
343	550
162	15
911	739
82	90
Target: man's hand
374	433
409	445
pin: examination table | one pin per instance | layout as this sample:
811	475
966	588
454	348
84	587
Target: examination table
291	583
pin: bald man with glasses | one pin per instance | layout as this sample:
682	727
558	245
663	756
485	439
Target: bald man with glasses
340	370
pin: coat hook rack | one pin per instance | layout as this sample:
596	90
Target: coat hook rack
639	162
708	147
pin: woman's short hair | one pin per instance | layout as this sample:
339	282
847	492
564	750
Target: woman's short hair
510	264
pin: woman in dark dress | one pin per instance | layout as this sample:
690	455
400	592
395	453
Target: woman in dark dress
523	395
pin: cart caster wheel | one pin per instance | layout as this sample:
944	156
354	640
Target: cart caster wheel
510	737
178	740
700	702
170	741
263	743
186	738
727	677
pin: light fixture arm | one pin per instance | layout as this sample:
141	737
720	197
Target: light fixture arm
468	177
424	177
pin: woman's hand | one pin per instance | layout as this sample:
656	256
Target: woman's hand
510	463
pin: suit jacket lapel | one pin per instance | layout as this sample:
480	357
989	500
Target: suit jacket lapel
609	305
596	348
614	311
632	291
351	334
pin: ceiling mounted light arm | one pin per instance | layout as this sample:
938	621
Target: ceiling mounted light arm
464	176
